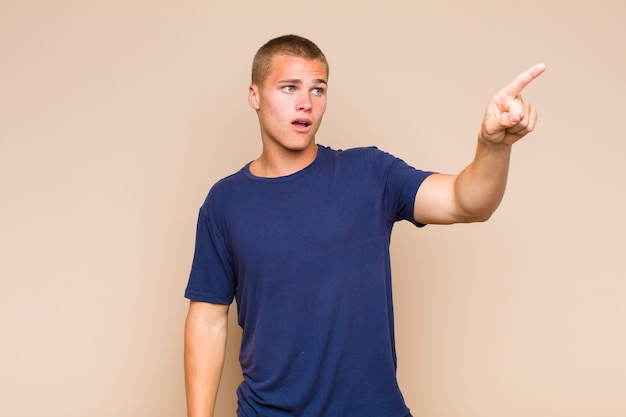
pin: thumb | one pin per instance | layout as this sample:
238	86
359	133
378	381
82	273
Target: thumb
514	113
503	122
494	128
513	119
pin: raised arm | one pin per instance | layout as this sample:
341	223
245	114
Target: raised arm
205	345
475	193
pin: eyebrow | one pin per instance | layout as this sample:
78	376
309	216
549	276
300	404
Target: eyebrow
298	81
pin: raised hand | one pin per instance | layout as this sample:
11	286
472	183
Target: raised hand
508	117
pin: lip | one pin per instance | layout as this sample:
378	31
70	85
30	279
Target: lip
301	125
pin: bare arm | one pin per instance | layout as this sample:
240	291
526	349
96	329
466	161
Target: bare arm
475	193
206	329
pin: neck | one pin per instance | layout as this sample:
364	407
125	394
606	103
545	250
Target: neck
281	164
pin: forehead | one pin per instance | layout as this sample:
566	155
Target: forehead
296	68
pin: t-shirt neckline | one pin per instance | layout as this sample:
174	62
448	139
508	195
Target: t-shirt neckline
290	177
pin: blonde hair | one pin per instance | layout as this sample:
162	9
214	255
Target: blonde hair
290	45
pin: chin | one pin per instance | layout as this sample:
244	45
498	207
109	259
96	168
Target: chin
299	145
290	142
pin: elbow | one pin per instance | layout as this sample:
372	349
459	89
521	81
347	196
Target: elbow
473	219
476	216
482	219
478	211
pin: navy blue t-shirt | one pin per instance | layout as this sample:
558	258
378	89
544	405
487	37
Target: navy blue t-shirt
306	257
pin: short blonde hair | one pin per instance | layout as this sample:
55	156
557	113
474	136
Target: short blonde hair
290	45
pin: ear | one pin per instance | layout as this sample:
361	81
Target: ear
253	96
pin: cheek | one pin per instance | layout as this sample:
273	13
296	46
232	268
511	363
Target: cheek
321	107
279	105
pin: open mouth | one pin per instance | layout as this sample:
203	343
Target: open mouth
301	123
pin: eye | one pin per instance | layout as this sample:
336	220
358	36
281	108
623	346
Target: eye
289	89
318	91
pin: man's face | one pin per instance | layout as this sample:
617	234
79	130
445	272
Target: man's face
290	103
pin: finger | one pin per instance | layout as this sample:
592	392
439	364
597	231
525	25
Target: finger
497	125
515	114
517	85
517	109
526	125
515	119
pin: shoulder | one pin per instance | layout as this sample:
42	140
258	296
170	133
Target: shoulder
366	157
361	151
224	190
228	182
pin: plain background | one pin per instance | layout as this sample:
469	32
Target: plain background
117	116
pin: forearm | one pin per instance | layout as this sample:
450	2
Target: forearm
205	345
475	193
479	188
508	118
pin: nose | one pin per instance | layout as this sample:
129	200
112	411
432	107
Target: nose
304	102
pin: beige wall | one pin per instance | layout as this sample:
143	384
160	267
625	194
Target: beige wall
117	116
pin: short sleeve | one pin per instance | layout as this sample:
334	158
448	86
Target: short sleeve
401	185
211	279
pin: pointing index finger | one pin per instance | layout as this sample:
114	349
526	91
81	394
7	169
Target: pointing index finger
515	88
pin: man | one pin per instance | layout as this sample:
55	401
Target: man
300	237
